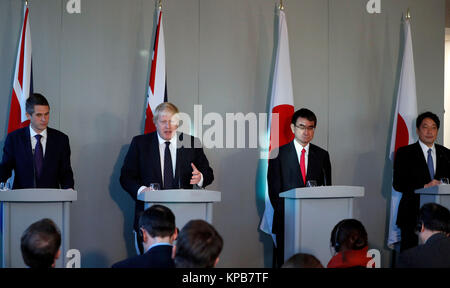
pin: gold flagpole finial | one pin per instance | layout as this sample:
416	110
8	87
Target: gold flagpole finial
281	7
408	15
159	5
26	2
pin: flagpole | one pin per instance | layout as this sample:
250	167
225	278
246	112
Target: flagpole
281	6
159	5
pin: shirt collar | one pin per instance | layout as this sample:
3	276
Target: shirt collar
159	244
173	141
425	147
33	133
299	147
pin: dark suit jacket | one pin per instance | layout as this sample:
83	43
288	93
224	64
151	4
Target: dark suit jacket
435	253
156	257
18	156
411	173
142	166
284	174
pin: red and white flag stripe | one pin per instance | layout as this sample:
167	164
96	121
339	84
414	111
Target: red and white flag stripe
23	82
157	93
282	106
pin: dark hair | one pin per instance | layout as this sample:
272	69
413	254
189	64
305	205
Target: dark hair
435	217
349	233
198	245
430	115
304	113
301	260
35	99
40	244
158	220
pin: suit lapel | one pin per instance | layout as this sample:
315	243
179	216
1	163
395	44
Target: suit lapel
50	148
26	138
156	163
178	160
441	161
423	161
294	163
312	160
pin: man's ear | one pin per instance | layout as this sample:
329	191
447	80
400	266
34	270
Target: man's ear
58	254
174	250
144	235
174	236
217	261
293	128
28	116
423	228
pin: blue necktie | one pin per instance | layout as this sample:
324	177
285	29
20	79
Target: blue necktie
168	168
38	156
430	164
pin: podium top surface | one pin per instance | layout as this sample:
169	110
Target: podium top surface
180	195
443	189
38	195
324	192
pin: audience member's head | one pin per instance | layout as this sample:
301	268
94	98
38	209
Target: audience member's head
348	234
301	260
433	218
198	246
40	244
156	225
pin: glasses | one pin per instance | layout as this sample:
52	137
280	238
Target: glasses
303	127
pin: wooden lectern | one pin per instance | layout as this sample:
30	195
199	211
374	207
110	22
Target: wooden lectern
21	208
310	215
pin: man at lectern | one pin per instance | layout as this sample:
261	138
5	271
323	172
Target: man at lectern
419	165
38	154
165	157
297	164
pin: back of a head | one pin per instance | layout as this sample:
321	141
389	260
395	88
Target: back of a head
40	244
198	245
158	221
301	260
348	233
435	217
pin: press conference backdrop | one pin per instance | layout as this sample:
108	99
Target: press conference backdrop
93	68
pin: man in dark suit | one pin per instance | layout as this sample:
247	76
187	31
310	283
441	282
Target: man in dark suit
292	166
416	166
173	160
433	228
38	154
157	227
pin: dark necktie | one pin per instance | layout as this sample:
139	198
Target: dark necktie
38	156
430	164
168	168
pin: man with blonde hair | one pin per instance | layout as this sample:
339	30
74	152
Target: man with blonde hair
169	158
